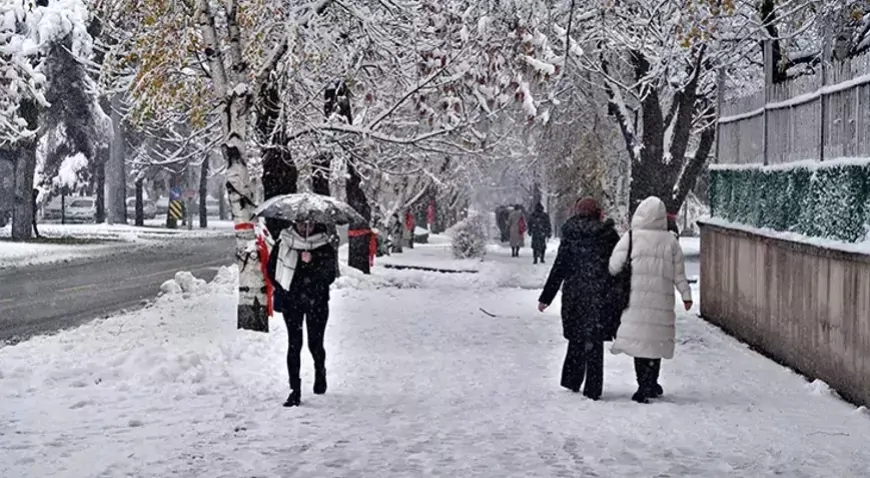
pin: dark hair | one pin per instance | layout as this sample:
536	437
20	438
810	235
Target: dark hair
587	207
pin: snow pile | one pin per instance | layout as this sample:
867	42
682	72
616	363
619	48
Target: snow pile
470	237
184	283
820	388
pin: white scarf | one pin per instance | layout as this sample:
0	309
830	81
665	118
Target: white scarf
288	253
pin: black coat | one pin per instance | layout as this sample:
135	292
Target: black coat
311	280
539	225
581	270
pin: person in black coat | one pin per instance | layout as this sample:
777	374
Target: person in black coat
540	230
302	267
589	317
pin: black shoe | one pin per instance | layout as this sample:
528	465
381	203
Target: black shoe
657	391
640	397
294	399
592	396
320	381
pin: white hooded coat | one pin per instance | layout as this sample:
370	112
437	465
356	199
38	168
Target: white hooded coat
648	326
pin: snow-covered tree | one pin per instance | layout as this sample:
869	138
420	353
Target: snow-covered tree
30	34
657	63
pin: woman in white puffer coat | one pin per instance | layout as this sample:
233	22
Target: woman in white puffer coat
647	330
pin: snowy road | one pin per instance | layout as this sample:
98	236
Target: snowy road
45	298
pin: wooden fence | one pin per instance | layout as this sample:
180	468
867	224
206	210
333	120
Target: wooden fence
820	116
805	305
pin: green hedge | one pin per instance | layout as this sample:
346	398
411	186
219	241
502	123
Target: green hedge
829	200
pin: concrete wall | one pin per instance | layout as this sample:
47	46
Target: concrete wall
804	305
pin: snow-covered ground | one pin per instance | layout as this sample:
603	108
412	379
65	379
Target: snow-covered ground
422	383
436	254
91	240
691	246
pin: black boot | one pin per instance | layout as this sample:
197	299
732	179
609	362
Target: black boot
657	391
640	396
295	397
320	381
643	369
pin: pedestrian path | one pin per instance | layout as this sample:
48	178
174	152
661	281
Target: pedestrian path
422	383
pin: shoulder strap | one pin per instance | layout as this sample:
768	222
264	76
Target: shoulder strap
630	240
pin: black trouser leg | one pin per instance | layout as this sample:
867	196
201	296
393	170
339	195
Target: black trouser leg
293	318
574	368
594	352
656	369
316	318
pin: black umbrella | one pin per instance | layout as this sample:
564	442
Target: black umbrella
308	207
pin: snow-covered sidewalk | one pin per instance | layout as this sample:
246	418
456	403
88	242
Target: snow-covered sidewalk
422	383
69	242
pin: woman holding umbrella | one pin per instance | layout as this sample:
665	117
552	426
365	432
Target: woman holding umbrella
302	268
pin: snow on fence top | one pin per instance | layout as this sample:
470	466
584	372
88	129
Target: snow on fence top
793	122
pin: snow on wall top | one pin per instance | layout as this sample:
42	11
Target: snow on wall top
807	164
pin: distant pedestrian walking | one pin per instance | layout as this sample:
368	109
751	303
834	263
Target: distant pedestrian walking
501	219
588	313
648	326
516	228
302	267
540	229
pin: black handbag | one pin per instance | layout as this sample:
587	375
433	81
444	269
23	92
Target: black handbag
622	292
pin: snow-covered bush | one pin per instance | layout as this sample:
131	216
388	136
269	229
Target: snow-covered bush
829	199
470	237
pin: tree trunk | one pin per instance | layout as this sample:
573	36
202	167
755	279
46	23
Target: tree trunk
203	192
140	209
280	174
320	178
359	243
222	202
233	88
358	246
100	179
22	207
116	172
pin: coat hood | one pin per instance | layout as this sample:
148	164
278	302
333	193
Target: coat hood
539	208
650	215
579	227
